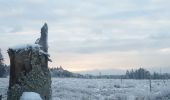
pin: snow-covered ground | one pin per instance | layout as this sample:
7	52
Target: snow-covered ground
30	96
103	89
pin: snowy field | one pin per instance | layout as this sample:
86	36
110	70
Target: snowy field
103	89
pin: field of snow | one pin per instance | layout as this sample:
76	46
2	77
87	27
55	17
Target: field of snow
103	89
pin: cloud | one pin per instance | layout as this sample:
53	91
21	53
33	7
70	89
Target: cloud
165	50
88	26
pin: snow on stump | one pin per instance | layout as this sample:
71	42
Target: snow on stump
30	96
29	69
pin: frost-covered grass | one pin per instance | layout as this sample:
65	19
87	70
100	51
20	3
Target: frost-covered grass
104	89
109	89
3	87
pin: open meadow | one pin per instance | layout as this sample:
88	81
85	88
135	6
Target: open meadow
103	89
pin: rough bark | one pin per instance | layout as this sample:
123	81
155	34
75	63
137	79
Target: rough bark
43	41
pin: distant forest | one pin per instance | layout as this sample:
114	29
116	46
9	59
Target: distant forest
140	73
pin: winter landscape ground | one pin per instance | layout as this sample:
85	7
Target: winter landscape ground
103	89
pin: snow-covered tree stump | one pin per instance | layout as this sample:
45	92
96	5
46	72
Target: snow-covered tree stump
29	70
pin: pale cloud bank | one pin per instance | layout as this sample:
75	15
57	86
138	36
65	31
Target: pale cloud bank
92	34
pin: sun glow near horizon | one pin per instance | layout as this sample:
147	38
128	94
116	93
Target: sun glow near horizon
89	35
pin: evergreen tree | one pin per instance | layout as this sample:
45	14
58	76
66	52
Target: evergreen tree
138	74
2	66
127	74
1	58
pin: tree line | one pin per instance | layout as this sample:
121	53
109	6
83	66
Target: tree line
4	69
60	72
142	73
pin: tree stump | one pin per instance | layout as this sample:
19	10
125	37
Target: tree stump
29	69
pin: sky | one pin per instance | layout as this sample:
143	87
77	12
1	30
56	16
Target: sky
87	35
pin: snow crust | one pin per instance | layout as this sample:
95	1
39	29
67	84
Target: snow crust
30	96
24	46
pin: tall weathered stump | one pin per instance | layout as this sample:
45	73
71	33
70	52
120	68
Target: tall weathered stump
29	69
